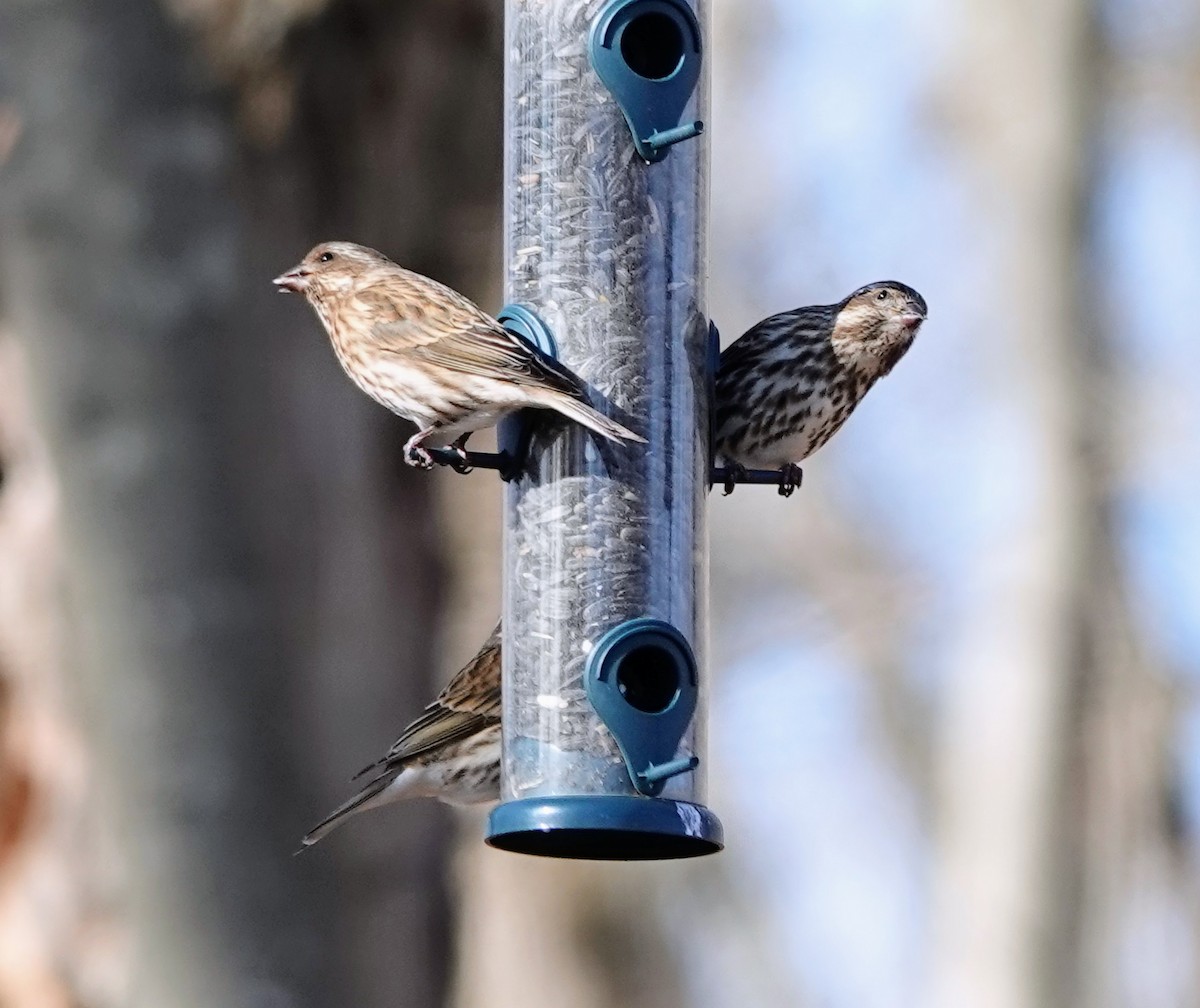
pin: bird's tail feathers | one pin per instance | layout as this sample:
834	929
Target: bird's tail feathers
369	767
359	803
593	419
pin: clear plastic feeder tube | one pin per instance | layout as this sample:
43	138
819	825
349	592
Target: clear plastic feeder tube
611	252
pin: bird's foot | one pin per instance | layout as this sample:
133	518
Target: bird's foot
733	473
418	457
790	477
415	455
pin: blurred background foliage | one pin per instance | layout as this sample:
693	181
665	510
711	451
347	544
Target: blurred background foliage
955	739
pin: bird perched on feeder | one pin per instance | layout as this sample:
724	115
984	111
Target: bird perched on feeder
785	387
428	354
451	752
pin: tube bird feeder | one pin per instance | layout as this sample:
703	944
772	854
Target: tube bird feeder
606	562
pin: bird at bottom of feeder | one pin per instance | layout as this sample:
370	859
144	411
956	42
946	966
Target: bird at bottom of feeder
787	385
451	752
429	354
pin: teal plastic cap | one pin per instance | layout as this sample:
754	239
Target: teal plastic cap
605	828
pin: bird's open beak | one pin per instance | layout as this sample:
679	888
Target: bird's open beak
294	280
912	317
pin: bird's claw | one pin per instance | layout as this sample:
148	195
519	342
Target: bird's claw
733	474
417	456
790	477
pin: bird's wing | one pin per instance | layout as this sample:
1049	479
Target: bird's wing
750	346
476	686
456	334
486	348
469	703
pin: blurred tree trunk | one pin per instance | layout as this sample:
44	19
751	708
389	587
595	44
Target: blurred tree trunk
1006	737
1048	769
57	878
253	577
583	934
1128	886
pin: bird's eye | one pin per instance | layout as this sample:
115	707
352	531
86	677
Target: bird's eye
326	257
882	295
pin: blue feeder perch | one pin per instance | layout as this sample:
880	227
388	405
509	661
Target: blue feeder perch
606	569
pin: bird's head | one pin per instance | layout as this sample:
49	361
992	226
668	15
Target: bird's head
879	320
330	268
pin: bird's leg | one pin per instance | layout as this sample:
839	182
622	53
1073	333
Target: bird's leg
734	471
459	445
414	454
790	477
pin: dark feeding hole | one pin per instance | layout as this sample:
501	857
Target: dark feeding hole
648	678
652	45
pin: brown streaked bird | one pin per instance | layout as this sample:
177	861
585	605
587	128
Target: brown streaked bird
451	752
785	387
428	354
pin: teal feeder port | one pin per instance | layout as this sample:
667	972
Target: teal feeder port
642	681
514	431
648	54
526	323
